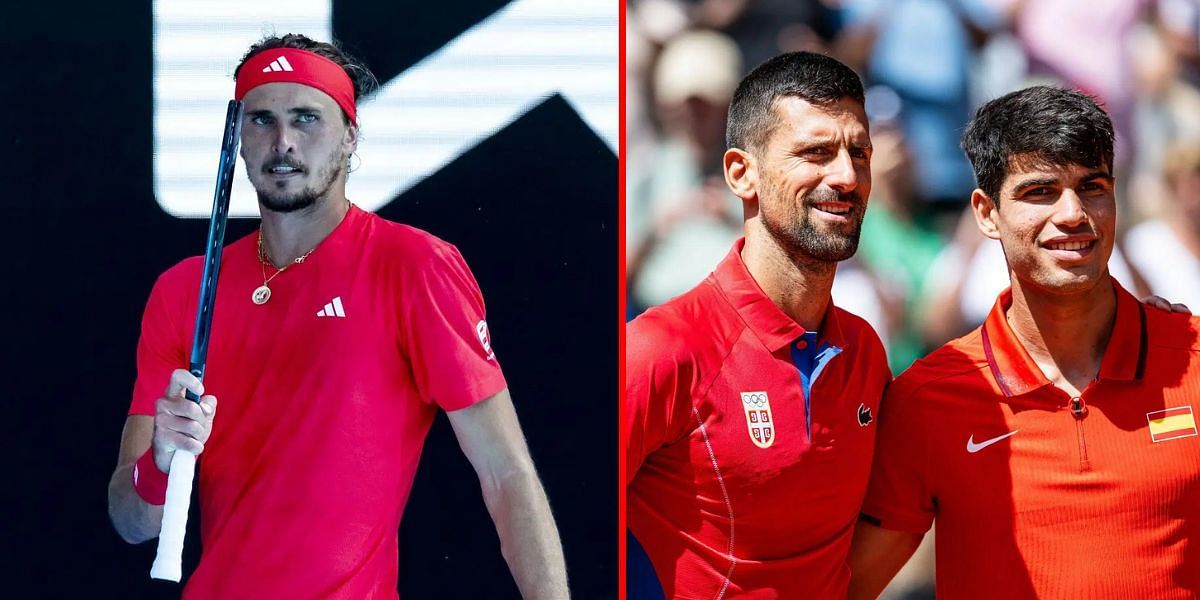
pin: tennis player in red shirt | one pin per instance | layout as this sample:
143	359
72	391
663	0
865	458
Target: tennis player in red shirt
1056	445
336	338
750	399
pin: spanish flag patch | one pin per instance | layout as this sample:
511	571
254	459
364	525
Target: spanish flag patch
1171	423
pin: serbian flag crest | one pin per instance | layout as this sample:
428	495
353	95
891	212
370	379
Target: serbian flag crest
1171	423
758	418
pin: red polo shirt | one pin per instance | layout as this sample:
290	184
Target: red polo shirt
734	488
1035	493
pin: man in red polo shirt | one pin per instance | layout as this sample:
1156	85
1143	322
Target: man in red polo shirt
337	336
1055	446
750	400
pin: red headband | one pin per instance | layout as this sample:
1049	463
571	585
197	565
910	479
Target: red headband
291	65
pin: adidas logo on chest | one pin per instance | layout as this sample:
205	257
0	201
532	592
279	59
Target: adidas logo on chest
333	309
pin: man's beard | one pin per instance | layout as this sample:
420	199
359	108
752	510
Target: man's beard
798	235
286	203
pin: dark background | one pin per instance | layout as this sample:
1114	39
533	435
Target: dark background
533	209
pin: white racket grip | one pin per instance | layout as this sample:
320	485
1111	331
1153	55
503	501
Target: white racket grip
168	563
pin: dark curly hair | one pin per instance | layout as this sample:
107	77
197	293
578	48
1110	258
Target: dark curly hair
1045	123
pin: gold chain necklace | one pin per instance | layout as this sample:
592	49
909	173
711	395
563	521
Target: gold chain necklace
263	293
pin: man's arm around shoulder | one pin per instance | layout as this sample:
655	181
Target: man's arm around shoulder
898	485
876	555
491	438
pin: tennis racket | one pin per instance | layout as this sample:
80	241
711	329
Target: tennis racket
168	562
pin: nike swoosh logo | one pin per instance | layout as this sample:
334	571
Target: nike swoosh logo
972	447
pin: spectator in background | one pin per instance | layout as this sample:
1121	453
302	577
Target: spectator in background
641	136
1166	249
1166	113
858	289
922	50
760	28
1083	45
682	218
899	244
764	28
1180	28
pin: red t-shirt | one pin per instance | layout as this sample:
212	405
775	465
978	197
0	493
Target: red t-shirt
1040	495
734	489
325	394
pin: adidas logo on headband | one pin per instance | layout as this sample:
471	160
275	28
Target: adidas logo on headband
279	64
293	65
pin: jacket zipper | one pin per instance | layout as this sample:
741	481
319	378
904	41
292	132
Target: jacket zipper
1079	410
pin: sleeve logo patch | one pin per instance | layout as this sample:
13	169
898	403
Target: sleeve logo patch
485	338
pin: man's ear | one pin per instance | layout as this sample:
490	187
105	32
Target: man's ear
351	138
985	210
741	174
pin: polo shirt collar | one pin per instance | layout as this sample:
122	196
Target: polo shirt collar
773	326
1015	371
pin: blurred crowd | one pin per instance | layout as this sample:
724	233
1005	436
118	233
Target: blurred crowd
923	273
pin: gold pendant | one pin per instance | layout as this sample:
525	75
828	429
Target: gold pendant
261	295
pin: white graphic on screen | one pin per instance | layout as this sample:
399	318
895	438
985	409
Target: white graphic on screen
418	122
